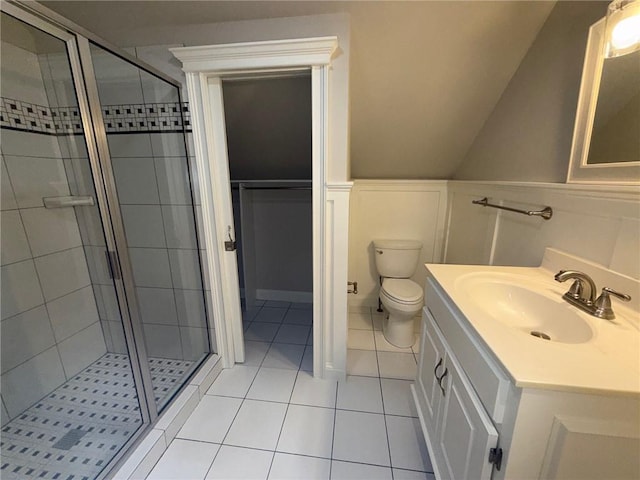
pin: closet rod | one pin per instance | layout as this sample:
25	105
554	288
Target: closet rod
274	188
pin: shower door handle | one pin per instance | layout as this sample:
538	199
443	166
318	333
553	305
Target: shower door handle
112	264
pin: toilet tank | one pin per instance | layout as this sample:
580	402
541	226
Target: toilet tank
396	258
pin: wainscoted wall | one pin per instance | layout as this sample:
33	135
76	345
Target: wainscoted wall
50	323
599	223
398	209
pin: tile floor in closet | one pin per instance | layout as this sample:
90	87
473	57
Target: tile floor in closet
269	418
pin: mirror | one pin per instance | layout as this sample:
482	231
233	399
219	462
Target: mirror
606	138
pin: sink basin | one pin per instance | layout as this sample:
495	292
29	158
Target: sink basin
528	308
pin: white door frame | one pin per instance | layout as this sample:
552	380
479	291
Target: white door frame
205	66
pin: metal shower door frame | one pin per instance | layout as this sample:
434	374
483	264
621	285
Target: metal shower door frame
147	408
141	378
78	42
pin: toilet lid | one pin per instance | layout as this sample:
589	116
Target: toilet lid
402	290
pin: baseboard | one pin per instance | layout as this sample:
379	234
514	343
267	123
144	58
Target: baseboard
331	373
284	296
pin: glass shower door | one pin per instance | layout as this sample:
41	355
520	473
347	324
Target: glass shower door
69	401
143	122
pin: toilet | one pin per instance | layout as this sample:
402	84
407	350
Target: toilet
396	261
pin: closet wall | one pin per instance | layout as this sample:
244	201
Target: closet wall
268	123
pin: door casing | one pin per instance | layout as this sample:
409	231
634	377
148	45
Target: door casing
205	67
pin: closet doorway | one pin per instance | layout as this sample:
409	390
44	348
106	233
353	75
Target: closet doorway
269	136
206	68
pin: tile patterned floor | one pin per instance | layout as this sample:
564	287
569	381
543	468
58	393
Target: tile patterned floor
75	431
270	419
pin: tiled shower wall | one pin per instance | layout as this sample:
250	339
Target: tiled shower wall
153	188
150	165
59	308
161	58
50	322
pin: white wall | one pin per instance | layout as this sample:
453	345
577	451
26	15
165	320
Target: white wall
598	223
396	209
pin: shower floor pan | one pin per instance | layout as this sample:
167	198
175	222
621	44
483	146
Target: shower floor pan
75	431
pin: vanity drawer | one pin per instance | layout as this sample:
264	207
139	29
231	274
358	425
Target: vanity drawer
486	376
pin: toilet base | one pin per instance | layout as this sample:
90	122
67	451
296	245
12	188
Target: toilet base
399	331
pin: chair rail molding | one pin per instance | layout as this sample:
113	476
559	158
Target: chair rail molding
205	67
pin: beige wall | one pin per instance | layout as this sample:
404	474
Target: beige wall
528	135
265	30
423	75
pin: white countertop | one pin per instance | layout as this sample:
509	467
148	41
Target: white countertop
608	363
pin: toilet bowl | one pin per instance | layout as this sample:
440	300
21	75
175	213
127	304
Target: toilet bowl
403	299
396	262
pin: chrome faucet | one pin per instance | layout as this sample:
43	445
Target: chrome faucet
576	292
598	307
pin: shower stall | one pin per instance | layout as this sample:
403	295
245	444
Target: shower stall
103	304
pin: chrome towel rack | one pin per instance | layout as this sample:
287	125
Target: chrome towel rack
545	213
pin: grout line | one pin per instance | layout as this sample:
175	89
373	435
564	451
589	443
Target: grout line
68	249
335	419
212	460
285	413
386	428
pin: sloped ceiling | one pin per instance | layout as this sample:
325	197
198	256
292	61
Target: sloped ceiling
425	75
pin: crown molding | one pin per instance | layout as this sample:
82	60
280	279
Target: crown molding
303	52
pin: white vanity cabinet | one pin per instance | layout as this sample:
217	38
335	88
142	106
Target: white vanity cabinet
460	432
476	416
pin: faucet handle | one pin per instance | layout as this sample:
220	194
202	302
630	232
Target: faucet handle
603	303
622	296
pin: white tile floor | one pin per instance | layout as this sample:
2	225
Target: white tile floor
270	419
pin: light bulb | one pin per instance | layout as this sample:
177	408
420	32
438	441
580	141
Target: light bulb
626	33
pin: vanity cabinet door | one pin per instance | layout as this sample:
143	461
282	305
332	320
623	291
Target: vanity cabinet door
465	433
431	367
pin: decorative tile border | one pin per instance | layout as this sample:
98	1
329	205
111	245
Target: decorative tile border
146	117
28	116
131	118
